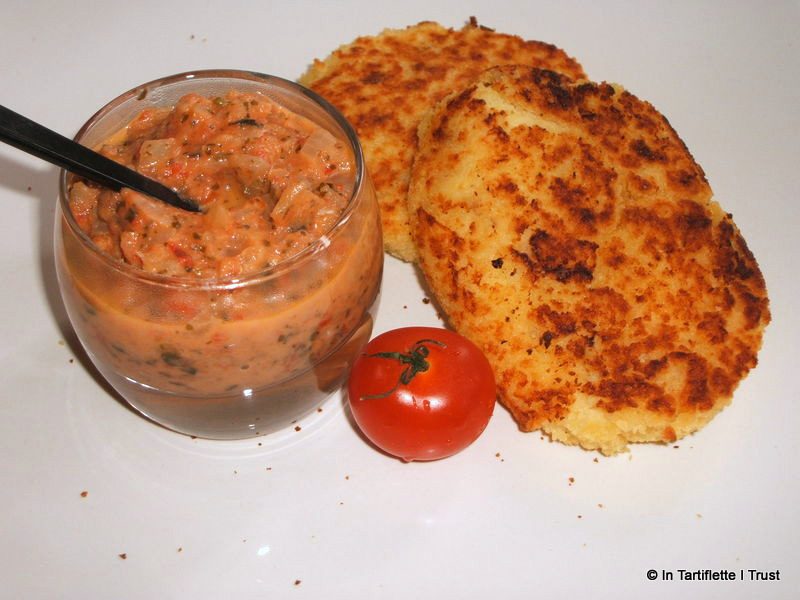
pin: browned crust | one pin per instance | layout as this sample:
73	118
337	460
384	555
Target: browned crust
384	84
566	228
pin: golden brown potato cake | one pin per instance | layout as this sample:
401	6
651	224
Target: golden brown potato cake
384	84
565	228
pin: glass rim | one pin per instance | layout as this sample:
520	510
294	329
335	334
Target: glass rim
223	283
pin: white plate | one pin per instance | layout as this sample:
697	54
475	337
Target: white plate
317	513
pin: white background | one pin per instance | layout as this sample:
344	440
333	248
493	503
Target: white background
248	519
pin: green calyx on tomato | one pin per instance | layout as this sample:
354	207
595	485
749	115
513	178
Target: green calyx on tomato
414	358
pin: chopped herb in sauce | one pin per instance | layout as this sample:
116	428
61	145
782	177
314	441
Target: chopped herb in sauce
247	123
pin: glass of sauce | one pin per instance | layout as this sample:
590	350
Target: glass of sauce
237	321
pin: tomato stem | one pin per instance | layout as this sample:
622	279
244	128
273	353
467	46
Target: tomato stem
415	358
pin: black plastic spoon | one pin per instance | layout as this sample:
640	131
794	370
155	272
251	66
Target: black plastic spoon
35	139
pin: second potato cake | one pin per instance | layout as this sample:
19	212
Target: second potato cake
384	84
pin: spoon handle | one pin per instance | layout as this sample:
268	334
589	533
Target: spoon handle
35	139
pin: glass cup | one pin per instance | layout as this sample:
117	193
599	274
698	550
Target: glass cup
261	351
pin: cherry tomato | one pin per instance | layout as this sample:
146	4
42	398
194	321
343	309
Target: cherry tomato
421	393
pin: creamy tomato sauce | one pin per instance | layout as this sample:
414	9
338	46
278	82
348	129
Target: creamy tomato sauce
270	183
